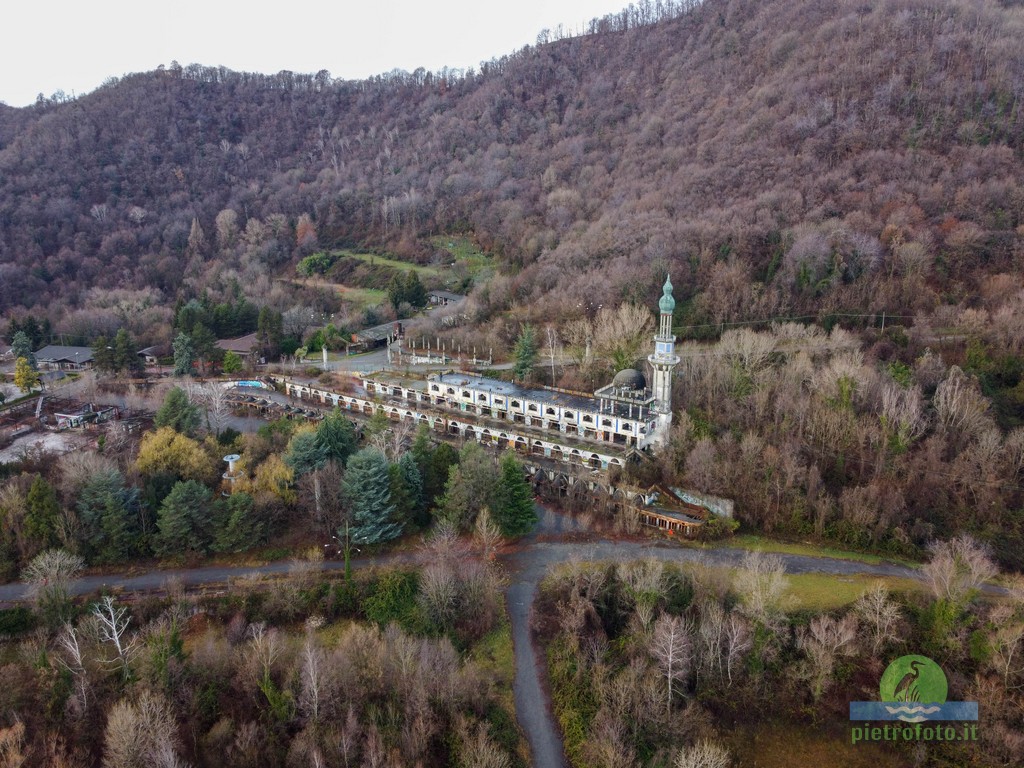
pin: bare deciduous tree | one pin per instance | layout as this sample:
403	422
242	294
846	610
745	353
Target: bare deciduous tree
315	693
761	583
703	754
823	641
478	749
49	577
620	334
902	417
880	615
957	568
73	660
348	738
487	534
112	623
141	733
960	406
439	593
643	580
738	640
671	647
1005	640
213	398
394	441
12	746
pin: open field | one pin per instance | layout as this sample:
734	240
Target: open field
823	592
463	249
378	260
759	543
363	297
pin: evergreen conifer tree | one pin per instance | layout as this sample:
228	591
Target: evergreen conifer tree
178	413
525	352
471	485
337	435
126	358
240	530
42	512
181	520
118	542
21	346
367	488
513	502
413	482
103	355
413	290
443	458
184	355
305	452
104	491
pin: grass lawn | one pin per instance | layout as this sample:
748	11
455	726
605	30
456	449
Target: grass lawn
364	297
463	249
818	591
823	592
494	652
750	541
373	258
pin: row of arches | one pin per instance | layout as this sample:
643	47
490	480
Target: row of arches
484	435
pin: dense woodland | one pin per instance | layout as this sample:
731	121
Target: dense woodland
654	665
779	158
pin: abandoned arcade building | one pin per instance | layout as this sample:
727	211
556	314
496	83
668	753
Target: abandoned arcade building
549	427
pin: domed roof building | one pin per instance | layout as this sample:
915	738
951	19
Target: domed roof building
629	378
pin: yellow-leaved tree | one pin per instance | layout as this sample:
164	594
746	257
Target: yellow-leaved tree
165	451
26	378
272	476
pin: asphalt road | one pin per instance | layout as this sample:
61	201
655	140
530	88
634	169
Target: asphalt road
556	539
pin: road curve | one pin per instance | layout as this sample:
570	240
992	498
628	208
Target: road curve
526	566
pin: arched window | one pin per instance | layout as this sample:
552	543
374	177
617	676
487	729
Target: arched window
532	408
550	411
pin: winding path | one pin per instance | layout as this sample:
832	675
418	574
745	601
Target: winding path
556	540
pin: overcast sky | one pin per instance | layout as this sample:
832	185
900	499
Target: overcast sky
72	45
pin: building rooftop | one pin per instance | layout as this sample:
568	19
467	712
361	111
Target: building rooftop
377	332
56	353
242	345
558	398
447	295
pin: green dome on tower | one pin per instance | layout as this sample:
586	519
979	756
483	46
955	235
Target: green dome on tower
667	304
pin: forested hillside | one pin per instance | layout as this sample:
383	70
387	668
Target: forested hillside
778	157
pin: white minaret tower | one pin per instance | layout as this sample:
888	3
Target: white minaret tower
663	362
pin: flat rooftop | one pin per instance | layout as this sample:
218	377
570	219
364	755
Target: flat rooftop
553	397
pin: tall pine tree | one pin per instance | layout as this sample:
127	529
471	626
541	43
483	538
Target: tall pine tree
513	502
305	452
337	435
367	488
182	520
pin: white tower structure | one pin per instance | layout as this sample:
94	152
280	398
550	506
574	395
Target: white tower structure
663	362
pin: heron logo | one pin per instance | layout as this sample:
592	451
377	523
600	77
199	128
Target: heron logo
913	689
913	679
